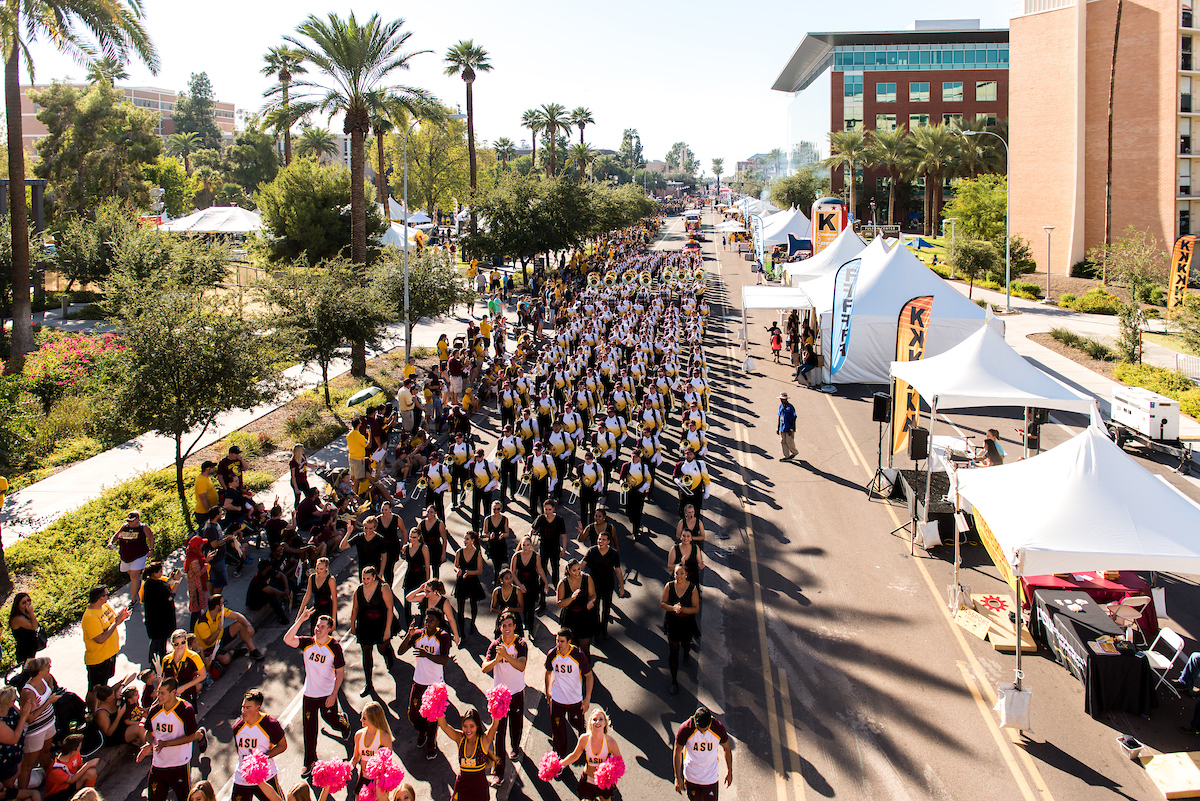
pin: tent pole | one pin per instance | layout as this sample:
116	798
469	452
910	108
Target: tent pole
957	550
1019	621
929	460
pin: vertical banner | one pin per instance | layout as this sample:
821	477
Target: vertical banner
756	225
843	309
910	347
829	219
1181	268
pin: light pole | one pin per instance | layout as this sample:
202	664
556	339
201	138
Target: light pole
952	221
1007	196
413	124
1047	229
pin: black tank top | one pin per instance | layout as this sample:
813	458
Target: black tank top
511	601
414	575
322	596
527	572
691	564
373	610
431	538
579	605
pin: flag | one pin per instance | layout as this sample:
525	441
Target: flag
910	347
843	309
1181	268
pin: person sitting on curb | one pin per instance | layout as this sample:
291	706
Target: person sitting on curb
217	629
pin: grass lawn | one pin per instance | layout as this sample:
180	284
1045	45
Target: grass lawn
1171	340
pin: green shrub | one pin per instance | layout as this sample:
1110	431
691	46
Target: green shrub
981	303
69	417
1096	349
1066	336
1157	296
1171	383
306	415
318	436
1085	269
89	312
1027	290
73	450
1066	299
1097	300
248	443
941	268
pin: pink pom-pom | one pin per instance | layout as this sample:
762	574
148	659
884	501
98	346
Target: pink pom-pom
434	702
384	769
549	767
367	793
499	699
608	774
333	775
255	767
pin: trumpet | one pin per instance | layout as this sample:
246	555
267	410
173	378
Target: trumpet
422	483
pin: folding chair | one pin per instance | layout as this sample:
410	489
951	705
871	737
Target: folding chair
1158	660
1127	612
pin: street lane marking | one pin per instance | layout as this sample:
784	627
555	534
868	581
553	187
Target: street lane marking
987	712
846	445
792	740
1013	735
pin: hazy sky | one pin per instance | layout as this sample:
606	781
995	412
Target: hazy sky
700	72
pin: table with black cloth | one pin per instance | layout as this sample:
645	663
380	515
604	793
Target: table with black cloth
912	484
1121	681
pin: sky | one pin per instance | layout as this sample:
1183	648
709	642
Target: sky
698	72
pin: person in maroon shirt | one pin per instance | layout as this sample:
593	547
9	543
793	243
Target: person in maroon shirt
134	541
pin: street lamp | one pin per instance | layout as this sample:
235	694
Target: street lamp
1048	229
952	221
1007	195
413	124
872	212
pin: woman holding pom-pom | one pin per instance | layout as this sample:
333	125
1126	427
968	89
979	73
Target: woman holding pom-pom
597	748
374	735
474	755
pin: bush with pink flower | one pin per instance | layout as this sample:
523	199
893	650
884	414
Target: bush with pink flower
68	363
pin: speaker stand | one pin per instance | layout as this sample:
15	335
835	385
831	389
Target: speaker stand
879	484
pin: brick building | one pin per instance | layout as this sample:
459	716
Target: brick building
937	71
1062	64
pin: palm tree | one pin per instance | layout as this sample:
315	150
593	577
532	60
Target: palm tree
604	166
184	145
317	143
847	149
208	178
891	150
106	69
284	63
718	166
776	156
532	120
580	118
934	150
505	150
466	59
553	117
116	27
582	155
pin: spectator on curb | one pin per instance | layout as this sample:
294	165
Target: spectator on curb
219	626
101	642
207	495
23	623
356	447
234	464
158	598
135	542
268	588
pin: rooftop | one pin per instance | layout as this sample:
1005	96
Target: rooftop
815	53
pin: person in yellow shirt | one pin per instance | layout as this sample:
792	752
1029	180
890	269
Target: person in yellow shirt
356	446
101	642
207	496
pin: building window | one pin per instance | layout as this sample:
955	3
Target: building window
985	90
918	92
882	183
1185	177
988	120
952	91
952	119
885	93
917	121
852	117
885	122
1185	94
1185	222
852	88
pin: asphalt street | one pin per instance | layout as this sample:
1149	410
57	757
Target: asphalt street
827	649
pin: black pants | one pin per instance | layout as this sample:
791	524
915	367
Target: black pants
607	464
508	481
695	498
539	493
604	602
508	416
458	480
588	498
562	465
368	658
550	555
563	716
312	709
515	719
102	673
437	500
480	499
635	502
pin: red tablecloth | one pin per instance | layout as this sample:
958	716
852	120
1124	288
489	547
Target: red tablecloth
1127	585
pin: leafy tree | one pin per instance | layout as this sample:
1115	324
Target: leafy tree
317	143
355	58
974	258
178	188
434	284
84	249
183	145
1136	261
189	357
681	158
466	59
207	180
848	151
935	151
95	147
106	69
207	157
438	164
580	118
284	63
979	205
317	310
253	159
582	155
630	155
304	213
231	194
1020	255
776	156
800	190
143	254
116	27
196	111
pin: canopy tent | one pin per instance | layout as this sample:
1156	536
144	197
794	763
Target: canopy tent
916	242
419	218
984	370
392	211
1085	505
886	281
847	246
787	222
395	233
216	220
730	226
774	297
692	213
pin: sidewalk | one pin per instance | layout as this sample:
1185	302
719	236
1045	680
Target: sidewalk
40	504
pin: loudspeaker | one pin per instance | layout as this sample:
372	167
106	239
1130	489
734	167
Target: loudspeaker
918	443
881	410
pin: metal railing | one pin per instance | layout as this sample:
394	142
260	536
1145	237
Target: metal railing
1189	366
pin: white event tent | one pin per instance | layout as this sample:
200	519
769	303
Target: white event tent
216	220
1085	505
847	246
395	233
792	221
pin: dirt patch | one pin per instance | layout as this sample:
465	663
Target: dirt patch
1104	368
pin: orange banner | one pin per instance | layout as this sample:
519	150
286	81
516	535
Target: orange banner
910	347
1181	269
995	551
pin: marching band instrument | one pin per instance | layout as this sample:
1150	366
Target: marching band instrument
610	278
593	280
